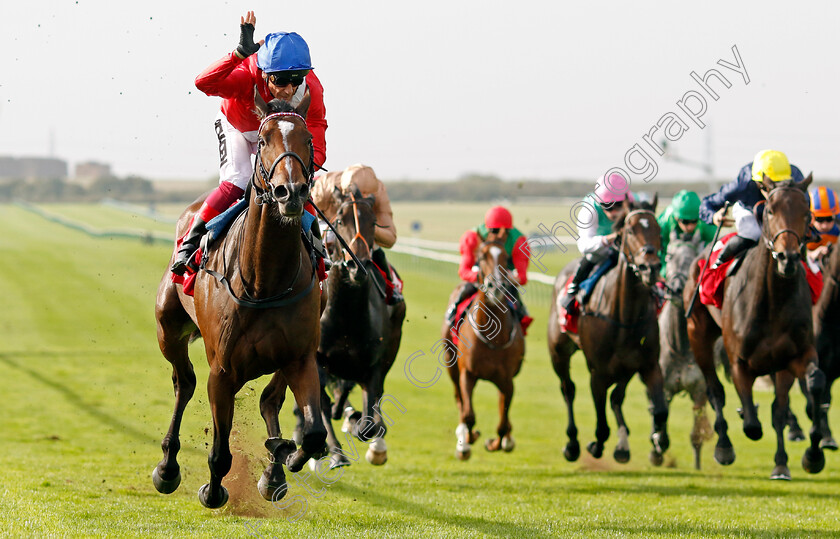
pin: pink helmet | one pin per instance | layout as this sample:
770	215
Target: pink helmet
613	189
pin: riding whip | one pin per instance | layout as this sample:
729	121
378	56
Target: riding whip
706	265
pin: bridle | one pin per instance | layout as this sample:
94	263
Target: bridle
270	193
354	202
770	242
342	245
471	315
645	249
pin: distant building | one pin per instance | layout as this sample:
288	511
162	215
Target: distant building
32	168
90	171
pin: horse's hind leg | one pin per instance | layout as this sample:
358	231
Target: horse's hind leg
505	441
374	427
220	391
622	448
780	410
173	343
795	433
701	431
813	461
652	379
561	355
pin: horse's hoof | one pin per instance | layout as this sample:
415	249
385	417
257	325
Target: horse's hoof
508	443
377	458
268	491
656	458
595	449
492	444
781	472
204	493
463	455
660	441
828	443
753	432
796	435
165	486
572	451
622	456
724	455
813	461
337	460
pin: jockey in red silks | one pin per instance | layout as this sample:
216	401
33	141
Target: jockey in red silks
597	241
281	69
499	220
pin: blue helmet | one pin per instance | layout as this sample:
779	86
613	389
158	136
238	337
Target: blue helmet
283	51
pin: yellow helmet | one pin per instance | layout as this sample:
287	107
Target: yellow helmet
773	164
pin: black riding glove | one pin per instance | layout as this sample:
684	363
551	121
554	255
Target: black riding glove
246	47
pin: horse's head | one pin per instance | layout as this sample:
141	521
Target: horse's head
679	257
640	239
285	163
786	222
492	261
355	220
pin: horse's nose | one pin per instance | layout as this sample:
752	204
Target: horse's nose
788	261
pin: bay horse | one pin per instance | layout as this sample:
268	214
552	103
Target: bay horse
258	313
767	327
826	322
491	346
618	334
360	333
679	370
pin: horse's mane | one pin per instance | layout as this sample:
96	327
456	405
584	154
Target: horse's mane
641	205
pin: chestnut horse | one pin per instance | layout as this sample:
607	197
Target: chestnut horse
258	313
767	327
491	346
360	333
618	334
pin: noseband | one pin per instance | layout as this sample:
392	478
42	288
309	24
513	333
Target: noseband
770	242
269	193
354	202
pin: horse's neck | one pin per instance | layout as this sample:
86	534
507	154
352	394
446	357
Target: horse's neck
488	312
269	250
630	298
349	298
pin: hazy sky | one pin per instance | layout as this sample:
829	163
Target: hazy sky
433	89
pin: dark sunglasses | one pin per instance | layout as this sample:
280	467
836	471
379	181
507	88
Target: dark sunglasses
824	219
284	79
688	221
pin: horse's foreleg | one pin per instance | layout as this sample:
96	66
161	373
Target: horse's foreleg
599	385
813	461
272	483
652	379
504	441
622	448
302	377
827	441
377	453
744	381
780	410
464	432
167	474
220	392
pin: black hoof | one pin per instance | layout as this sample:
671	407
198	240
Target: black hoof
656	458
337	460
271	492
166	486
780	472
753	432
595	449
828	443
572	451
204	493
813	461
725	455
621	456
796	435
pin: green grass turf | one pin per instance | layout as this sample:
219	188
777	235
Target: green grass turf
87	398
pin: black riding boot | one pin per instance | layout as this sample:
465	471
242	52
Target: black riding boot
188	247
732	248
583	270
466	291
378	256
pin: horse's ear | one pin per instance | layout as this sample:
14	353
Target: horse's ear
806	182
336	194
626	203
260	106
767	182
655	201
303	108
